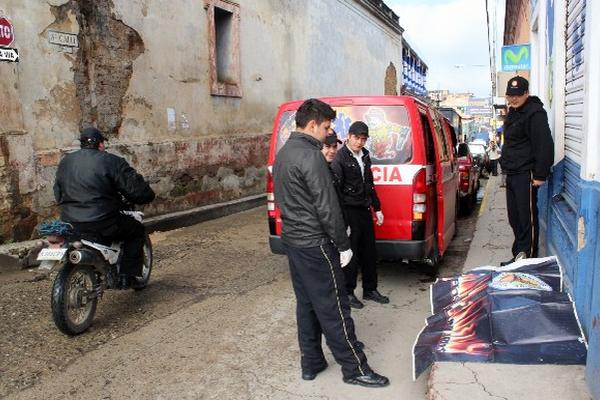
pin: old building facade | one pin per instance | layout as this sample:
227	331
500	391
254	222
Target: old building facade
186	93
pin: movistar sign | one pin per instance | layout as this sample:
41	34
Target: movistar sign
516	57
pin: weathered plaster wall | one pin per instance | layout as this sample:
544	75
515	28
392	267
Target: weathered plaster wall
138	60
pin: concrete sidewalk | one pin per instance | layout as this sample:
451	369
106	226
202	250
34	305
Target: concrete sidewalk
491	244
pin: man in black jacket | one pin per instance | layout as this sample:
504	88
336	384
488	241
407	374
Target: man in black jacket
352	168
316	244
527	155
90	187
329	150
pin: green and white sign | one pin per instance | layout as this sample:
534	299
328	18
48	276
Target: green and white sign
516	57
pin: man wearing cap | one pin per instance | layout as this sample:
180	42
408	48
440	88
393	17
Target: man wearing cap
89	188
527	155
352	168
329	150
317	248
330	146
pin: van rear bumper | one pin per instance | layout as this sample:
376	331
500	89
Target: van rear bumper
404	249
386	249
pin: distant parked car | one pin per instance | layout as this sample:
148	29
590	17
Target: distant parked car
480	156
468	183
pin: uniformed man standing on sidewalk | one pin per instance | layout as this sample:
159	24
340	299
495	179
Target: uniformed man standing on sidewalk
527	155
317	247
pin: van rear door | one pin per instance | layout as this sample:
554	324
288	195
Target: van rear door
446	185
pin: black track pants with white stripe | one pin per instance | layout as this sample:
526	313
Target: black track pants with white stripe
322	308
521	204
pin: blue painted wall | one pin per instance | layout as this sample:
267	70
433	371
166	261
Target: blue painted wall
562	207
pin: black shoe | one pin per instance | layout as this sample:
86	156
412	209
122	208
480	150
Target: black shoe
354	302
376	297
309	376
371	379
503	263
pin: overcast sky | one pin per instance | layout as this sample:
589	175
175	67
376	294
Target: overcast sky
451	37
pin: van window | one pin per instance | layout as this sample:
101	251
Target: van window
390	138
429	150
442	143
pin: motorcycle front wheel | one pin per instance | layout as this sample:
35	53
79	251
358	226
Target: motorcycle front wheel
142	281
73	299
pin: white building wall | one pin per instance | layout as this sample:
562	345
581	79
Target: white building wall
215	148
590	170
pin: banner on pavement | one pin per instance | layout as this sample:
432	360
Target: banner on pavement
516	314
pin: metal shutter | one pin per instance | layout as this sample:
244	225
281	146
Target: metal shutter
574	95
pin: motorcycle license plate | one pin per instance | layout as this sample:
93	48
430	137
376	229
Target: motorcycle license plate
51	254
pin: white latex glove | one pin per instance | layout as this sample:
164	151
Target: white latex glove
345	257
379	216
348	231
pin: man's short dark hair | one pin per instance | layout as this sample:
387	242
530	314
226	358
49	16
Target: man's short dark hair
313	109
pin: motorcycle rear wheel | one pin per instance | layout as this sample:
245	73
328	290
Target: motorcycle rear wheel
73	301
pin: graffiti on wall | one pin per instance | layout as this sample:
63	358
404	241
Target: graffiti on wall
389	130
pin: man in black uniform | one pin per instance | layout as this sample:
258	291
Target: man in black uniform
527	155
352	168
316	244
89	187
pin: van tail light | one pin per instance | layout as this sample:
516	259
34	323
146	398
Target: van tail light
270	200
419	195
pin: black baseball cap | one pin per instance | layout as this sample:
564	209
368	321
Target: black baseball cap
359	128
92	135
332	139
517	86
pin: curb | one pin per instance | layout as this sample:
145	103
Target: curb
164	222
194	216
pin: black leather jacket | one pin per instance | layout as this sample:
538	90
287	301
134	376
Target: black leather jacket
356	191
89	185
304	192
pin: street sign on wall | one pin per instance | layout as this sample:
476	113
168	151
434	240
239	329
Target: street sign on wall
8	54
516	57
7	33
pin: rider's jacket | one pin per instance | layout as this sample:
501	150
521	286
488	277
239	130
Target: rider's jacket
91	184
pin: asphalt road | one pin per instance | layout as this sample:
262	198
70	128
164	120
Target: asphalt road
216	322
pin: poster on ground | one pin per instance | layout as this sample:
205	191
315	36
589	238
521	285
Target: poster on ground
516	314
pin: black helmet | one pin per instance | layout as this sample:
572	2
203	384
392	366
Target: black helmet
91	137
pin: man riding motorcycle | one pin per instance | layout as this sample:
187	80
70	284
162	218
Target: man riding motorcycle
90	187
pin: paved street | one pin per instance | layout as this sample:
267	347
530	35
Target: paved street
217	322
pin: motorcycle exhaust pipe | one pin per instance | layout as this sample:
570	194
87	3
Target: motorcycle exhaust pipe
82	256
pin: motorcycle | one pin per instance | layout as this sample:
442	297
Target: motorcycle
87	267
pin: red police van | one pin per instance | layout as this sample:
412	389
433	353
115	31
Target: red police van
414	169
